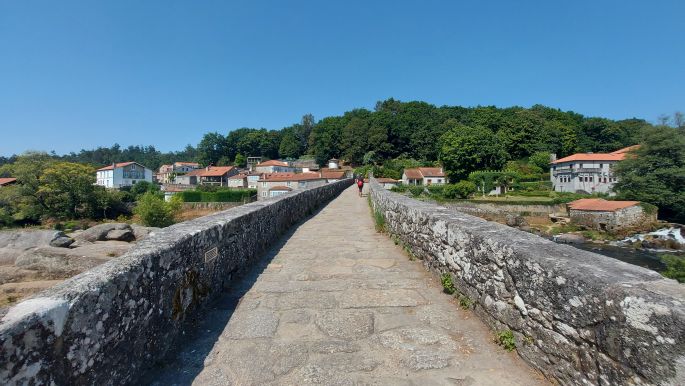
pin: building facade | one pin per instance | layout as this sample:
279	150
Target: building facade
292	181
122	174
274	166
168	173
424	176
604	215
586	172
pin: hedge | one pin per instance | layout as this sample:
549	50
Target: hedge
233	195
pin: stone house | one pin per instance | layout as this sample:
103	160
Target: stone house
274	184
423	176
604	215
587	172
121	174
387	183
333	175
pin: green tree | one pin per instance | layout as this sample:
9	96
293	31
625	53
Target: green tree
143	187
67	190
655	172
540	159
154	211
465	149
462	189
211	148
240	160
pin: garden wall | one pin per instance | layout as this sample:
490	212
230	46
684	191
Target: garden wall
105	325
579	317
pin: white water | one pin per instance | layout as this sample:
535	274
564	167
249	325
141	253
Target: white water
661	234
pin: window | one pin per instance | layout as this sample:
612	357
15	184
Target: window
264	184
264	194
289	184
601	166
302	184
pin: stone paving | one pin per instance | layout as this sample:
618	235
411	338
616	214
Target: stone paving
338	304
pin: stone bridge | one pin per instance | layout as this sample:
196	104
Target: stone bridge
302	289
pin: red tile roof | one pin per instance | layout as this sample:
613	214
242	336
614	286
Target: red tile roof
617	155
413	174
193	164
119	165
280	188
273	162
290	177
384	180
600	205
211	171
333	175
238	177
419	173
7	180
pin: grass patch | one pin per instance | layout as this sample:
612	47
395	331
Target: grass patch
379	221
465	302
447	285
506	339
675	267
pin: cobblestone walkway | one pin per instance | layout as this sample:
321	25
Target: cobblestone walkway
339	304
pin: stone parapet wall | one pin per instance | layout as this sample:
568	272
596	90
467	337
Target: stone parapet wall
106	325
579	317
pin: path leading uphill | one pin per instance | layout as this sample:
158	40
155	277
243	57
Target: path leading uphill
338	304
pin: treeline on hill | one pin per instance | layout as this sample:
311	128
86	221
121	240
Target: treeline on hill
396	135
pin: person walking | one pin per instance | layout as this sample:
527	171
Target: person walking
360	185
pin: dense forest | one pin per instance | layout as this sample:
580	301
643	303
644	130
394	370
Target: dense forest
394	129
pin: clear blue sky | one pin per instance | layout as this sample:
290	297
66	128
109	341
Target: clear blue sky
81	74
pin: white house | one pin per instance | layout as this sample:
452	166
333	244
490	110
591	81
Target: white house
238	181
423	176
274	166
122	174
586	172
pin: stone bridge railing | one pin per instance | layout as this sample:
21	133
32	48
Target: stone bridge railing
106	325
579	317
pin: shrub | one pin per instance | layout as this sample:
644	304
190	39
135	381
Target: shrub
416	190
675	267
506	339
461	189
379	221
154	211
218	195
447	285
465	302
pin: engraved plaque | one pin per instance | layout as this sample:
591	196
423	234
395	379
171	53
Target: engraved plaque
211	254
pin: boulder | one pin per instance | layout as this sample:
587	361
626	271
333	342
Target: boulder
25	239
141	232
516	221
99	232
62	242
570	238
121	235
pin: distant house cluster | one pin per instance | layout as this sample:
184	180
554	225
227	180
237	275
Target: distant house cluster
270	178
587	172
